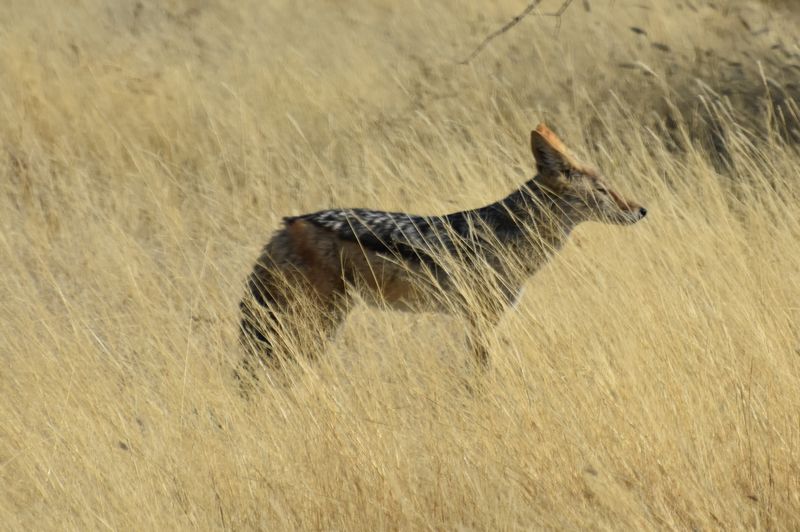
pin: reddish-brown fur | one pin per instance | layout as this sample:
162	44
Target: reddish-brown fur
310	268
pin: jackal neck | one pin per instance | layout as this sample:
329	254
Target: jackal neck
533	211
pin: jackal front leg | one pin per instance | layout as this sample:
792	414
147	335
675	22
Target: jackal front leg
482	319
480	324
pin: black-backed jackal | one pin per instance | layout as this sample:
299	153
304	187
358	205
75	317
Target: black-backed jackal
472	262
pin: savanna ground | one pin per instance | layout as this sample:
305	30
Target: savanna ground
649	379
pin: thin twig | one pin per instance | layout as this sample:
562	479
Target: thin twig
513	22
507	26
558	13
561	9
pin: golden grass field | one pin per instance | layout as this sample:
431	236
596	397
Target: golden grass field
649	379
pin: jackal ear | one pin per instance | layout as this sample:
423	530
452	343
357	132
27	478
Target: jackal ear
550	153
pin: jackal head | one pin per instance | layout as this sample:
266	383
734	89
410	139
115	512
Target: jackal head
579	192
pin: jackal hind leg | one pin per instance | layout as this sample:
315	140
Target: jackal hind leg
294	302
282	338
276	328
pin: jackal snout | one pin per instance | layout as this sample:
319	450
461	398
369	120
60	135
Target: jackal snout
581	192
612	207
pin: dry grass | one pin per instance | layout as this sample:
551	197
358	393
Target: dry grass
648	380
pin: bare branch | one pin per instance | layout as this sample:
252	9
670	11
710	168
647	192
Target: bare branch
507	26
561	9
558	13
513	22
